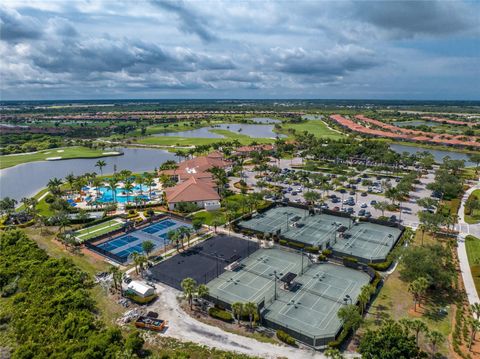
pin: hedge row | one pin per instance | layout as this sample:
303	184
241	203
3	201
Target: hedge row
383	266
286	338
220	314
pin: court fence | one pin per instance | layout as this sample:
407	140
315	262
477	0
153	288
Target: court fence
92	243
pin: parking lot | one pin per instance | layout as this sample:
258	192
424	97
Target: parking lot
362	199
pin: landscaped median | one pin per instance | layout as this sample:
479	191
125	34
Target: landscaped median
472	208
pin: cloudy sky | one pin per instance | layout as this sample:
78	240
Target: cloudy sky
239	49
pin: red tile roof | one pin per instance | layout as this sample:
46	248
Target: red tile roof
192	190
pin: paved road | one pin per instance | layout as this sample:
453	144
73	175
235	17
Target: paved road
183	327
466	229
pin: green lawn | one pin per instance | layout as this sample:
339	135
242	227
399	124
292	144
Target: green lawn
97	230
317	128
473	252
208	216
396	302
474	217
185	141
63	153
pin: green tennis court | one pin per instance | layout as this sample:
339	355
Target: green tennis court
99	229
364	240
308	308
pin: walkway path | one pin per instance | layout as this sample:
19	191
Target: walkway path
184	327
464	230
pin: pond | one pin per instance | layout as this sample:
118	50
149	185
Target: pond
416	123
254	131
437	154
27	179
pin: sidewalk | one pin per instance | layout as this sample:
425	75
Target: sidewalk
464	230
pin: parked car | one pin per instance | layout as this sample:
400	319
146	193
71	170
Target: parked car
361	212
342	190
352	193
335	200
393	218
294	193
336	209
363	205
364	194
373	202
368	214
350	210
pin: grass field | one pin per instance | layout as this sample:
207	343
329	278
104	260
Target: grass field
473	252
62	153
317	128
186	141
474	217
396	302
97	230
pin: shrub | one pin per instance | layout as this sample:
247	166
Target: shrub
132	211
283	242
312	249
296	245
327	252
286	338
220	314
322	258
49	198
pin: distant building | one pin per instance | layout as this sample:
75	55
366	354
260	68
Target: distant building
195	182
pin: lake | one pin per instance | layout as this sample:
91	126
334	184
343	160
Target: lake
437	154
254	131
27	179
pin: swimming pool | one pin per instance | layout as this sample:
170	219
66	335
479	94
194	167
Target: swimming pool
126	244
106	194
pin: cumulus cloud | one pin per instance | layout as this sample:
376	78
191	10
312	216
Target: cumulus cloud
190	21
412	18
15	27
165	48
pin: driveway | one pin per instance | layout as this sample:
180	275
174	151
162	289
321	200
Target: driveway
185	328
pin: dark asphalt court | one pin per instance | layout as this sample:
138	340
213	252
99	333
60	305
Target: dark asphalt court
204	261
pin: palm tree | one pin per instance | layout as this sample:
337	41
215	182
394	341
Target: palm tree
100	164
112	184
435	338
350	316
476	309
418	288
216	221
96	182
202	291
364	297
70	178
135	259
128	187
188	286
173	236
237	309
250	308
414	325
333	353
149	181
140	180
147	247
474	328
116	276
54	185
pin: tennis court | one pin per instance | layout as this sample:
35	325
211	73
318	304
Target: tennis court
124	245
364	240
367	240
98	230
204	261
307	309
297	224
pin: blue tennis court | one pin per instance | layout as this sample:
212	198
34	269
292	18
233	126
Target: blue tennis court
157	233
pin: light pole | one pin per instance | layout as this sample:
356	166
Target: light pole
301	252
274	284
